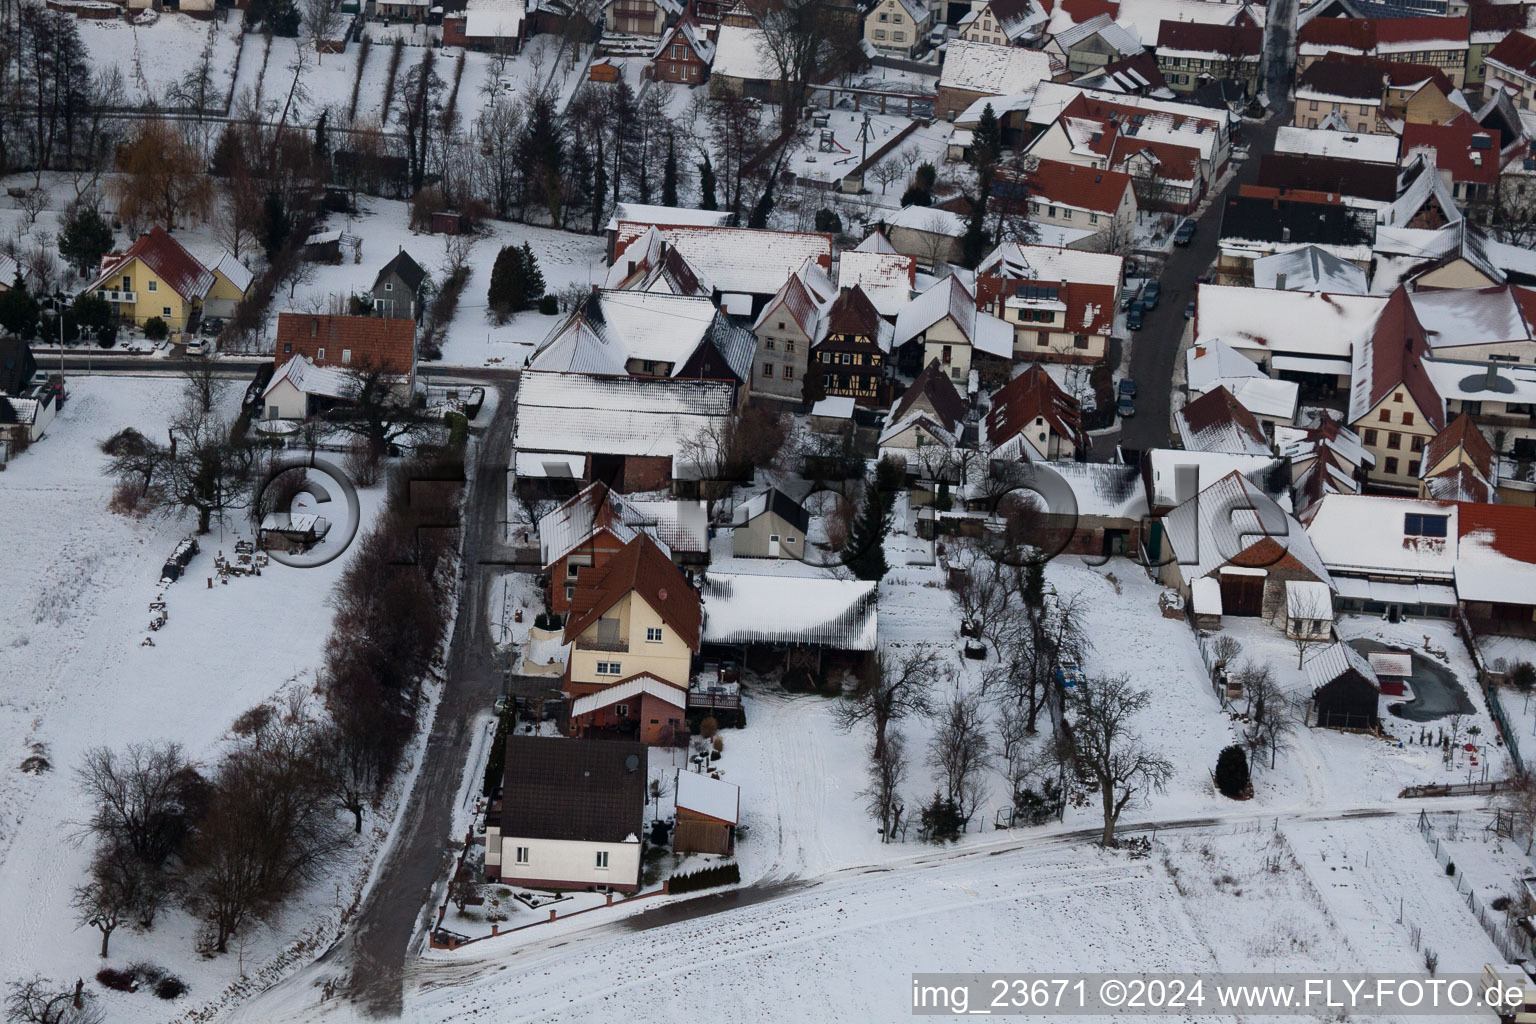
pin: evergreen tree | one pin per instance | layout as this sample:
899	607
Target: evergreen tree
864	551
669	175
275	225
1232	772
707	199
973	246
941	818
916	196
516	281
927	176
578	177
946	501
322	144
533	277
987	142
18	310
761	210
85	239
599	189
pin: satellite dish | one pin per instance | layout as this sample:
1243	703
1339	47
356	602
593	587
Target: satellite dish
661	594
632	762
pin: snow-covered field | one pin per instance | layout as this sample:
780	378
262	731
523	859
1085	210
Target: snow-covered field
75	587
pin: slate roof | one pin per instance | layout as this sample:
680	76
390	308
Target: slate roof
641	567
404	267
934	385
775	501
169	260
573	790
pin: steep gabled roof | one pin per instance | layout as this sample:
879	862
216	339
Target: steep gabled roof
1033	395
1233	522
1462	433
795	301
1217	422
1057	181
404	267
641	567
934	385
775	501
853	313
595	508
169	261
1390	356
1517	52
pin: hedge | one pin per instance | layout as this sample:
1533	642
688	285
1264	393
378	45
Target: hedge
705	878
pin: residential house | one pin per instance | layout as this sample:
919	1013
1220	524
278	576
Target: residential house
944	325
158	277
1393	404
685	52
1132	76
499	26
29	400
1217	422
300	390
1191	53
1309	269
1032	418
1327	458
1172	476
1501	399
231	283
1235	534
632	433
929	414
361	344
10	273
707	812
1341	145
973	71
1060	302
1511	66
1261	221
788	327
400	289
853	354
637	17
740	268
1496	568
1145	18
1459	465
898	26
1415	93
888	277
1356	93
1490	25
640	216
1460	254
744	65
1370	186
1391	557
1441	43
1466	155
1068	195
649	334
571	815
819	626
633	629
1092	45
1004	22
1304	337
928	234
769	525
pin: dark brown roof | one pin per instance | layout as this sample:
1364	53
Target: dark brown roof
1516	51
1217	411
854	314
1348	80
1329	174
1218	40
934	384
643	567
17	365
1461	432
373	341
575	790
1398	73
1033	394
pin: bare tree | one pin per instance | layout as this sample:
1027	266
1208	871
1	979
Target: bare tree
140	797
121	891
985	598
163	180
40	1000
889	691
320	20
887	172
33	202
1118	237
961	751
1307	622
804	40
1519	801
205	387
887	771
382	411
1105	751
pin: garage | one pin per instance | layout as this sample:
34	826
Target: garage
1242	591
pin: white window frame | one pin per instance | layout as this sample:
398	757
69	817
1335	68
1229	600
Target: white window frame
521	855
653	634
601	861
609	668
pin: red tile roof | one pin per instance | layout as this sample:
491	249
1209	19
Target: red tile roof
1033	394
854	314
1336	33
1086	10
384	343
169	261
1516	51
1460	433
1082	187
1217	40
1398	350
1455	150
1512	528
1429	30
1175	162
1217	409
643	568
1090	306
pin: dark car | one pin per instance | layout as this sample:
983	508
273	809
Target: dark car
1189	310
1133	318
1125	407
1150	294
1128	387
1185	233
212	326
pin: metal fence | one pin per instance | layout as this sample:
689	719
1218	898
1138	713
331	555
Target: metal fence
1511	945
1501	718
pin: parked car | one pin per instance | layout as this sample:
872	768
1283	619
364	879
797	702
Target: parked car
199	347
212	326
1133	318
1126	406
1129	295
1128	387
1150	294
1189	310
1185	232
1132	267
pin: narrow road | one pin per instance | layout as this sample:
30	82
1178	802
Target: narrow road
386	924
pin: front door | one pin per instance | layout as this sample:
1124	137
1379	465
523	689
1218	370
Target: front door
773	545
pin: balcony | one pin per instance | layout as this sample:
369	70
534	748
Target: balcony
608	645
131	298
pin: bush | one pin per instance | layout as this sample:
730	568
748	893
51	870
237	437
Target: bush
828	220
155	329
458	427
170	987
916	196
1232	773
1523	676
708	727
118	981
941	819
705	878
1450	869
549	305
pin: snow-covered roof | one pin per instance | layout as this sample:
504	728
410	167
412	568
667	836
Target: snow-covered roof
1264	321
310	379
1101	25
971	115
948	297
930	219
627	691
494	19
747	261
1263	396
643	213
1468	381
549	465
580	413
741	52
1216	422
713	798
989	68
876	242
743	609
1309	269
1144	18
1226	520
1207	467
1371	149
1308	599
1426	185
612	328
679	526
1211	362
1110	490
1456	317
596	507
1205	594
234	271
1489	562
1325	664
886	277
9	271
1362	533
1053	263
838	407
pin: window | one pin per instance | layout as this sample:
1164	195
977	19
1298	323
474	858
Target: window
621	710
1079	341
1476	408
522	855
154	286
165	311
570	592
1044	338
1391	467
781	325
1398	398
1385	416
899	36
1417	525
1312	105
653	634
880	32
571	568
1370	438
789	346
602	860
346	357
389	286
127	283
1394	440
608	668
1093	218
1407	419
884	17
1416	444
768	344
1413	468
788	373
319	353
789	540
767	369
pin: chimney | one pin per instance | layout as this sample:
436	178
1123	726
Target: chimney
1492	380
1285	234
1280	281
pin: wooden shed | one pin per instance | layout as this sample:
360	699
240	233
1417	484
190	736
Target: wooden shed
1345	694
707	813
445	222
